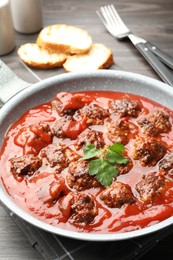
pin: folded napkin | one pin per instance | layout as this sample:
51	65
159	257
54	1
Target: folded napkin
53	247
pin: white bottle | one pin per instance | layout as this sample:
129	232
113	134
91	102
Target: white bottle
7	41
27	15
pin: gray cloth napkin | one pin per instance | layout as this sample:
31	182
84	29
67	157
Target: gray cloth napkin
53	247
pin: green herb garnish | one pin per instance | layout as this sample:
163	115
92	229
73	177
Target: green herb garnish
104	167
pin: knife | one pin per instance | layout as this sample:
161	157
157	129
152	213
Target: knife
148	51
164	57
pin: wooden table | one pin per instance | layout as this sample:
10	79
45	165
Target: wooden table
152	20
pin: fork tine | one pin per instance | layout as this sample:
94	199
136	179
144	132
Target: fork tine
102	18
115	14
111	16
107	13
112	21
106	21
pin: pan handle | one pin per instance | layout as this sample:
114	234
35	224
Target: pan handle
10	84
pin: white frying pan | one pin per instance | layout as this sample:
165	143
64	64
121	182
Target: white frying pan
46	90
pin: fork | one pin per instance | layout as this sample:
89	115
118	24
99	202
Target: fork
117	28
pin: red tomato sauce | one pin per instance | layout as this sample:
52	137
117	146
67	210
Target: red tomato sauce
32	192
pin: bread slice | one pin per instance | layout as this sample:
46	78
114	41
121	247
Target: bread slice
38	57
64	38
98	57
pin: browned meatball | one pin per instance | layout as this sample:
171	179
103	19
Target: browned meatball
83	209
155	123
59	108
25	165
149	151
55	154
71	156
117	194
41	128
58	155
150	187
78	177
57	129
89	137
118	131
58	188
125	168
166	164
124	107
67	103
93	113
33	138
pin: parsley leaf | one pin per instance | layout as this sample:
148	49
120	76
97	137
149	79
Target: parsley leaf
94	166
104	167
114	157
104	170
90	151
117	147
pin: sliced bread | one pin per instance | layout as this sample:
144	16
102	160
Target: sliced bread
98	57
38	57
64	38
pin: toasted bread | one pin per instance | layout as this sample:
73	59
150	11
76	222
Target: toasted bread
38	57
98	57
64	39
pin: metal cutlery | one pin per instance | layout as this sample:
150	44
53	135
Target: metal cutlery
118	29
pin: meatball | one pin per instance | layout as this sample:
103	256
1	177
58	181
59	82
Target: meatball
124	168
68	103
59	108
117	194
57	129
41	128
89	137
58	155
33	138
166	164
124	107
93	113
58	188
150	187
83	209
149	151
118	131
55	154
25	165
155	123
78	177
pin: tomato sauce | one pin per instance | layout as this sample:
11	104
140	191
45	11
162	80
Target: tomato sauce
32	192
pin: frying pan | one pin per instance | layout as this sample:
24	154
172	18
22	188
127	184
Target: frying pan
46	90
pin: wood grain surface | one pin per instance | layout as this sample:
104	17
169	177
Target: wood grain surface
150	19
